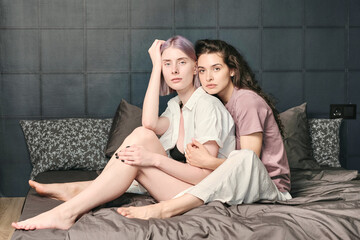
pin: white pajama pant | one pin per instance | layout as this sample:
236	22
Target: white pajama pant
242	178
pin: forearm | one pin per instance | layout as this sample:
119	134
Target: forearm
214	163
182	171
150	112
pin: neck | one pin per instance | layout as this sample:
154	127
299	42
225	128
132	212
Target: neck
185	94
226	93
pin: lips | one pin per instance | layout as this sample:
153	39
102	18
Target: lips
211	86
176	80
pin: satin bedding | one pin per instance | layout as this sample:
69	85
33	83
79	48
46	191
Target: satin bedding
325	205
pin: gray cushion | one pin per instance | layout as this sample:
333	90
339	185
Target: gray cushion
126	119
66	144
325	141
297	138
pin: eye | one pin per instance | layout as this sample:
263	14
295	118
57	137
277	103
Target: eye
166	64
182	62
216	69
201	70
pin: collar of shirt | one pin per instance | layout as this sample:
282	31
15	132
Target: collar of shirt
174	102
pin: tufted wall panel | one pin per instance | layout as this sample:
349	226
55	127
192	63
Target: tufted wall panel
79	58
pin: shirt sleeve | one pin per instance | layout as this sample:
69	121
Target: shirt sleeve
212	123
252	114
167	113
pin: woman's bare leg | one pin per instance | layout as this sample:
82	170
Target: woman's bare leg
164	209
66	191
111	183
59	191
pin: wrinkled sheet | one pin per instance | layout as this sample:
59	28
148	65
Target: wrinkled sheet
325	205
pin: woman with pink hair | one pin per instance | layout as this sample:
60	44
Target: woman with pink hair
157	164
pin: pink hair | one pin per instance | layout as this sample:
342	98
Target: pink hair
185	46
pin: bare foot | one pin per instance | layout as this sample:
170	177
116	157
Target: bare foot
145	212
59	191
55	218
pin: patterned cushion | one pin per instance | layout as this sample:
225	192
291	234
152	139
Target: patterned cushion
66	144
325	141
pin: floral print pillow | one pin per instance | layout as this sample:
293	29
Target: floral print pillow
325	141
74	143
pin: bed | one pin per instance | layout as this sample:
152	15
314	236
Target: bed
325	204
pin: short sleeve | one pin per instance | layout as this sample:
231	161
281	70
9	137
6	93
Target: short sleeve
212	123
166	113
251	116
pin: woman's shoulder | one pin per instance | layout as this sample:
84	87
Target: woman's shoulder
245	98
209	100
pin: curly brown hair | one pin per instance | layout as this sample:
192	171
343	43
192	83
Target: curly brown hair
244	76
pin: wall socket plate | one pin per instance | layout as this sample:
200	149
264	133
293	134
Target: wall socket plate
346	111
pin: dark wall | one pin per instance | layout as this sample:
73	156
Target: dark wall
78	58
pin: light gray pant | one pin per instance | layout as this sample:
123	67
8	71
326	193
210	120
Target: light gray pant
242	178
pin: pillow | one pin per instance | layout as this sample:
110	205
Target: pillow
66	143
297	138
325	141
126	119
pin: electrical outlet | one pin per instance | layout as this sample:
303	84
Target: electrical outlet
346	111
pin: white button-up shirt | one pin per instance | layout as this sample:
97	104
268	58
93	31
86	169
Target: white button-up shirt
205	119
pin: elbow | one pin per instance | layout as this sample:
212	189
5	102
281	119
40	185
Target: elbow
148	125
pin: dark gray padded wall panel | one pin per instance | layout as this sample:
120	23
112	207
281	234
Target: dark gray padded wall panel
353	147
155	13
325	48
108	88
354	16
189	13
63	95
288	13
282	49
353	88
286	87
20	95
107	50
19	50
79	58
354	46
61	13
19	13
107	13
247	41
15	166
239	13
325	12
322	88
62	50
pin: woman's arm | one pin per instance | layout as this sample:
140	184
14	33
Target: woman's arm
252	142
150	112
139	156
197	155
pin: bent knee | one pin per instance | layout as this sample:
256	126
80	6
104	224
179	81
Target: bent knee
144	133
243	155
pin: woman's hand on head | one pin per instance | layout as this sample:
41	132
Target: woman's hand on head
155	53
136	155
198	155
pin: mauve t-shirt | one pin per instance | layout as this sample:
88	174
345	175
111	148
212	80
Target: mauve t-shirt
252	114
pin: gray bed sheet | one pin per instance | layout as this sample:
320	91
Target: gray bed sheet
325	205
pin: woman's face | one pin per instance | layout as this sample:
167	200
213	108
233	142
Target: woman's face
178	69
214	74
